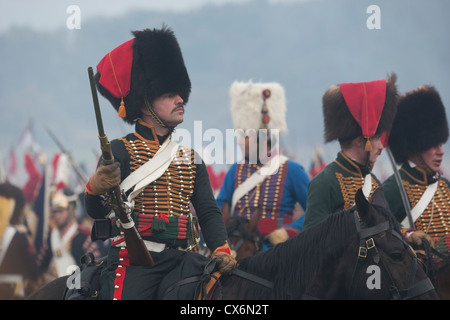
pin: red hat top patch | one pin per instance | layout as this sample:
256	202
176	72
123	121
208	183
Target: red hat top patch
365	100
115	72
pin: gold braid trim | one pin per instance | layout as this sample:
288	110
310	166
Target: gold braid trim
435	219
171	193
349	186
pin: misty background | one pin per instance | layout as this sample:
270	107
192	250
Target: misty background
306	46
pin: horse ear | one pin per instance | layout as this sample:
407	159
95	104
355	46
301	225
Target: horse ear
225	212
378	198
361	203
253	224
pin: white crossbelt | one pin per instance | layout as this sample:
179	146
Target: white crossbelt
151	170
421	204
61	256
367	186
269	168
8	234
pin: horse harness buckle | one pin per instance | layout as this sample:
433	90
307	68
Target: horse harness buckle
362	252
370	244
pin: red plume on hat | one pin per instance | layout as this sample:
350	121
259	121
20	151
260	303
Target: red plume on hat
359	109
365	100
115	73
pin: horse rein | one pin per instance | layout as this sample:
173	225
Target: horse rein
367	246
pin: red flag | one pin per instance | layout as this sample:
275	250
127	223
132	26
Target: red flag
34	179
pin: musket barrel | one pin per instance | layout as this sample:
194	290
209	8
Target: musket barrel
401	187
105	146
98	114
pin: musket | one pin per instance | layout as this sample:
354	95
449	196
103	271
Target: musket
401	187
137	251
72	161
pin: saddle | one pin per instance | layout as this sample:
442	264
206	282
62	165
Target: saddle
194	278
89	284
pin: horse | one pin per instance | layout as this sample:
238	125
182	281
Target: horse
244	238
356	253
437	268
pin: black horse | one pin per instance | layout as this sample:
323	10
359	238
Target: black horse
353	254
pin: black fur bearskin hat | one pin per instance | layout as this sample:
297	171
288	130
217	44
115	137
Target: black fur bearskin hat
147	66
420	123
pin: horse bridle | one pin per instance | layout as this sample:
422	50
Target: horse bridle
367	247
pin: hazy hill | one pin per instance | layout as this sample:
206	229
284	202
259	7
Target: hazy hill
306	46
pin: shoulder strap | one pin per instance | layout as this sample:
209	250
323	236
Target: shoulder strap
151	170
367	186
61	256
422	203
260	175
9	233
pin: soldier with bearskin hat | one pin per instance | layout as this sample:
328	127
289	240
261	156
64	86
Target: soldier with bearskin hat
258	109
358	115
146	81
420	129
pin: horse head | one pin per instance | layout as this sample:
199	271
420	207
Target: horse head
243	235
357	253
385	266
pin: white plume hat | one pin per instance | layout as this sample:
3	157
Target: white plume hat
247	102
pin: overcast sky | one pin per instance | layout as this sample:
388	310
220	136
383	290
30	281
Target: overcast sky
51	14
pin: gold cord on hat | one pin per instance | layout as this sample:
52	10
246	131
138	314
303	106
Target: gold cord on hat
153	113
122	111
368	146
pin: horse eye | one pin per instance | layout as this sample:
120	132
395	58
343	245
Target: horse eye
396	255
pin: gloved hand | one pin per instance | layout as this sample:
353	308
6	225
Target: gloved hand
277	236
416	237
225	262
104	178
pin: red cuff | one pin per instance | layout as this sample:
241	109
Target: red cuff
291	232
225	248
408	231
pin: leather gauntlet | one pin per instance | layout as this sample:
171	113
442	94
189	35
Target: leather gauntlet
225	262
104	178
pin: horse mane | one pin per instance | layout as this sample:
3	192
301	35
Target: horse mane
291	265
312	248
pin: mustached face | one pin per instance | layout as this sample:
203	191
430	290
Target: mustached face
169	108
